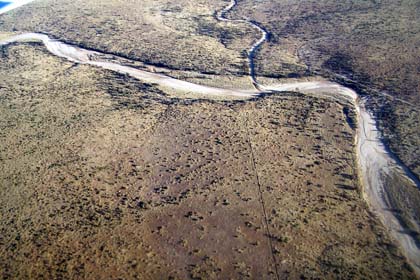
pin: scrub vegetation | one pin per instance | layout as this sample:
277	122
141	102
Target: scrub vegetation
373	43
103	176
182	35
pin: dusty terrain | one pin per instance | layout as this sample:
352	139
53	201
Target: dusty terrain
157	185
373	43
103	176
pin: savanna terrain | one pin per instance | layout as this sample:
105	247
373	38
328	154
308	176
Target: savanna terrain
104	176
375	44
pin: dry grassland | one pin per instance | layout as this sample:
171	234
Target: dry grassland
374	43
105	177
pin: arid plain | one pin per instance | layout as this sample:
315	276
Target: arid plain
105	176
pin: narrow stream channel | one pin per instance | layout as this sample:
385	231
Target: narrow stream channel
221	16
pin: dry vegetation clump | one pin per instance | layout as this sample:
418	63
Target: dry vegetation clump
102	176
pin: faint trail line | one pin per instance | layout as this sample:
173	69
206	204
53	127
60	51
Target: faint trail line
379	92
265	216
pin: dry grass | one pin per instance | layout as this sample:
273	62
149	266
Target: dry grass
105	177
374	43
